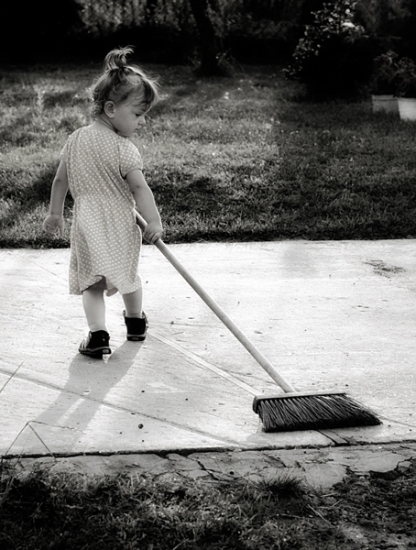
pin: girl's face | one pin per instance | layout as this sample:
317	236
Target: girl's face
127	116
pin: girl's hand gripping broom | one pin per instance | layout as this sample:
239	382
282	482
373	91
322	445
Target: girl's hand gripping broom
292	410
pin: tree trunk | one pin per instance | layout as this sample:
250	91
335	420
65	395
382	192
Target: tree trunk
208	39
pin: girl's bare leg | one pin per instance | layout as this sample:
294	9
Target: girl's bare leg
134	303
94	307
134	317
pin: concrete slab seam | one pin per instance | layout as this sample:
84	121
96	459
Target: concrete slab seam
12	375
203	363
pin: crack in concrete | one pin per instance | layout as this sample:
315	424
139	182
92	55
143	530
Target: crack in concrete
40	266
220	372
228	442
48	385
28	425
40	439
13	375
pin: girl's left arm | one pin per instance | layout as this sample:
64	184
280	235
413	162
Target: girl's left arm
55	219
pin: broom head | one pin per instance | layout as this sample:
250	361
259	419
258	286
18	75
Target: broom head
307	411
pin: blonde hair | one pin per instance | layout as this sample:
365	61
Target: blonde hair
119	80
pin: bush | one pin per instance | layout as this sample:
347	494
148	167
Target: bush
385	67
404	78
334	56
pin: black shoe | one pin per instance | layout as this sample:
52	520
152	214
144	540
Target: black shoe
96	344
136	328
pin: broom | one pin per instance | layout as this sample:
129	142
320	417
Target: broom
292	410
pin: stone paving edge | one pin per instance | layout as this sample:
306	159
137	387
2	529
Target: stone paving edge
320	468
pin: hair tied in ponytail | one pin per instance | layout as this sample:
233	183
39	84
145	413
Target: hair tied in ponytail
119	80
117	59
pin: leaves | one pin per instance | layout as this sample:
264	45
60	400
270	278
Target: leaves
331	44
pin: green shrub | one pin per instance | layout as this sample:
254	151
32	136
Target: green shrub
334	56
385	67
404	79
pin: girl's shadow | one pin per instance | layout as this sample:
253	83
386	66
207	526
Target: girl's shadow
90	382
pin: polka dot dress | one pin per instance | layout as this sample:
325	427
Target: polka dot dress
105	239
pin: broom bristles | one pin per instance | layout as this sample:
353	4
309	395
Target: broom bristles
312	412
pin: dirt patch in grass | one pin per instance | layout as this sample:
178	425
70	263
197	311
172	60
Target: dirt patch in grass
43	510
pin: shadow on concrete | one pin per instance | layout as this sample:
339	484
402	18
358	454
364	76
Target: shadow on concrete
90	381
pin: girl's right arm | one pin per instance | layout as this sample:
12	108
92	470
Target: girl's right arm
146	204
55	219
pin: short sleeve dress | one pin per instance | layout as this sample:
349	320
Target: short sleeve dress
105	239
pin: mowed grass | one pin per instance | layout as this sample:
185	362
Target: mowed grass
41	510
128	512
237	158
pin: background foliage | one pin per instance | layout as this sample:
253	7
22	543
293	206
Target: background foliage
334	56
246	156
164	30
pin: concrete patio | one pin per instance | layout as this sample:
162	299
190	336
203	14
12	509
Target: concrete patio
329	315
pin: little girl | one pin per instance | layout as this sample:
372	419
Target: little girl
103	171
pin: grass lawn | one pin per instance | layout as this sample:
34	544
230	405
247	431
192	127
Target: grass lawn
239	158
236	158
43	511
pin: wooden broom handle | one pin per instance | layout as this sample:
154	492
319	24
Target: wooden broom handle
223	317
